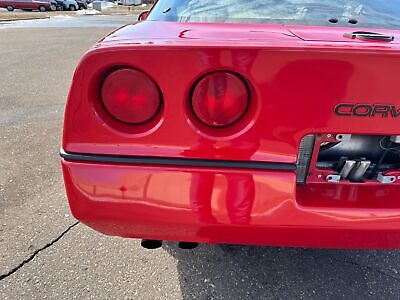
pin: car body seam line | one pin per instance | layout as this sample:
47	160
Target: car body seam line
177	162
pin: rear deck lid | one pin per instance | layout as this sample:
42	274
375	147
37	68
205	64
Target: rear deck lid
315	20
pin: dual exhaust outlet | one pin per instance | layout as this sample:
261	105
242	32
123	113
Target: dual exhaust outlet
155	244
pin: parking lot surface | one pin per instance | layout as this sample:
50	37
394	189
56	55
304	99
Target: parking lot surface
45	253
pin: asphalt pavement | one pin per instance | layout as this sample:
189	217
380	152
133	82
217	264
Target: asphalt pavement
44	253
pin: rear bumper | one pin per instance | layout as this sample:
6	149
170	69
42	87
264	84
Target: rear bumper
217	205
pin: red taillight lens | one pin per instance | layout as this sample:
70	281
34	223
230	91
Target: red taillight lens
130	96
220	99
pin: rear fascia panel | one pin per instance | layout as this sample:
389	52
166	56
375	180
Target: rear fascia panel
217	206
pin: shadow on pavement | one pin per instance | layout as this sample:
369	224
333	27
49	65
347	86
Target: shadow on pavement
238	272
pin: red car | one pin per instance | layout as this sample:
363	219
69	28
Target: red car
42	6
242	122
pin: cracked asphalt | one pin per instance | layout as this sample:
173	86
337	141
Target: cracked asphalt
44	253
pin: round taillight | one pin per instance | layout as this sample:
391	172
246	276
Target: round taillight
130	96
220	99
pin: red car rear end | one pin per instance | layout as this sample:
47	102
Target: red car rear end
27	5
189	127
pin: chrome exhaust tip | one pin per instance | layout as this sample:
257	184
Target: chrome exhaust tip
151	244
187	245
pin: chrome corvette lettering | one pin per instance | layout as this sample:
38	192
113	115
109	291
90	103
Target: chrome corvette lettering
367	110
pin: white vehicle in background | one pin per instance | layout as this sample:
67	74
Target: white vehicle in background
69	4
129	2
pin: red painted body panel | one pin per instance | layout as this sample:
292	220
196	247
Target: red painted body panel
295	86
217	206
297	75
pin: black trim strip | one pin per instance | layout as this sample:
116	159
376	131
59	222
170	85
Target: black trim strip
180	162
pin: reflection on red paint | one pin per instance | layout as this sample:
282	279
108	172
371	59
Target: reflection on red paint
239	201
